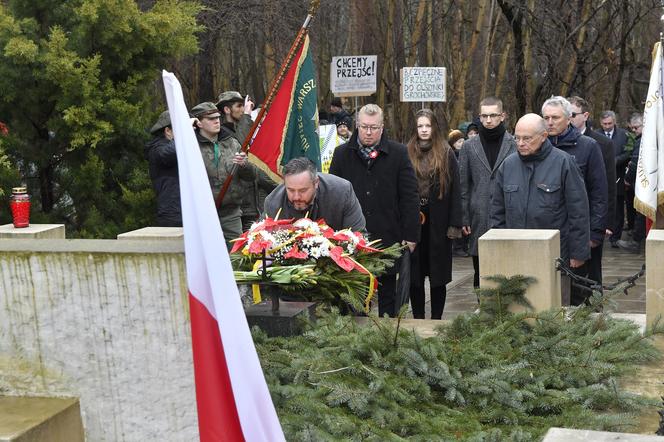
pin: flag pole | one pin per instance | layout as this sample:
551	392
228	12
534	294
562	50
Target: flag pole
272	92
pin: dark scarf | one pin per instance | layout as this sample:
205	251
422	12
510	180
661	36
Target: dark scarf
491	140
542	153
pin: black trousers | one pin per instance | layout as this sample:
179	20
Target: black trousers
620	217
417	297
639	233
629	208
595	264
387	290
476	267
578	295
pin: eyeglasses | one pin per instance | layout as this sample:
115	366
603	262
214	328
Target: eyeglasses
366	128
527	139
490	116
574	114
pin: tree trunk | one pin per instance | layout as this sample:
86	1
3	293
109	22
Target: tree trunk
46	188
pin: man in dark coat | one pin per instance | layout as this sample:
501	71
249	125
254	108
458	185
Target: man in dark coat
316	195
580	114
639	231
163	162
557	113
622	153
479	159
384	181
540	187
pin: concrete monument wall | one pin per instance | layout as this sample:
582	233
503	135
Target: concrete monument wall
106	321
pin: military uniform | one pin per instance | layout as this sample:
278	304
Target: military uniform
218	159
255	190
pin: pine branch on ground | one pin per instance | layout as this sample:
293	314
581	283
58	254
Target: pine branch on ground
490	376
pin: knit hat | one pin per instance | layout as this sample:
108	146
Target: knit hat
454	136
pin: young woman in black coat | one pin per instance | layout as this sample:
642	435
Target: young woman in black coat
437	172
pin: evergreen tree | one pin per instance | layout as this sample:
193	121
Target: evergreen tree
76	91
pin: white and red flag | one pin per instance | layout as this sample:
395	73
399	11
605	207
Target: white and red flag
234	403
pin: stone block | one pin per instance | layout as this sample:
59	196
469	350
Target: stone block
155	233
527	252
570	435
40	419
33	231
654	275
285	322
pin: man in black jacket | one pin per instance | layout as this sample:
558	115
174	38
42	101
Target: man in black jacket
163	162
557	113
580	114
639	231
384	182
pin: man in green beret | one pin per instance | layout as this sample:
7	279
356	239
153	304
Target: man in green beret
220	153
236	120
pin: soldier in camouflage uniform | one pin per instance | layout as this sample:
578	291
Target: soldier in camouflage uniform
236	121
220	152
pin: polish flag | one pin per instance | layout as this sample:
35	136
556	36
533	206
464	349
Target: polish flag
233	400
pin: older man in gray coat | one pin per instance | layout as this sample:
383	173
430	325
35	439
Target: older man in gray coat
479	159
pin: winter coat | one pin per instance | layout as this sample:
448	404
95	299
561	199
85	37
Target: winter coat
386	189
476	178
609	157
217	172
630	174
443	213
622	154
163	164
335	202
588	157
544	192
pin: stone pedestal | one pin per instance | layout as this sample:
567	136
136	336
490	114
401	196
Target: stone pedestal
526	252
569	435
40	419
654	275
33	231
155	233
285	322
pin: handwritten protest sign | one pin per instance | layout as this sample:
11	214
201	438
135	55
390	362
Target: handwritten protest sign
423	84
353	75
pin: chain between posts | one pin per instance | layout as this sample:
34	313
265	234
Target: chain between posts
590	285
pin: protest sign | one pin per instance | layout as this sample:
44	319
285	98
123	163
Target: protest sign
423	84
353	75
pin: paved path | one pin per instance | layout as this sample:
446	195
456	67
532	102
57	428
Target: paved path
616	264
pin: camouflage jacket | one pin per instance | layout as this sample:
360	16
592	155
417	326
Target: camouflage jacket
218	170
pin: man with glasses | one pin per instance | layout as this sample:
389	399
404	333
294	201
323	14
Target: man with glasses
540	187
220	152
479	159
639	231
384	181
580	114
557	113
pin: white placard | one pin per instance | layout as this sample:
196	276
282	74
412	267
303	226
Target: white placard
353	75
423	84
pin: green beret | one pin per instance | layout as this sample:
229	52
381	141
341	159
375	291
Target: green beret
163	121
229	97
206	109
